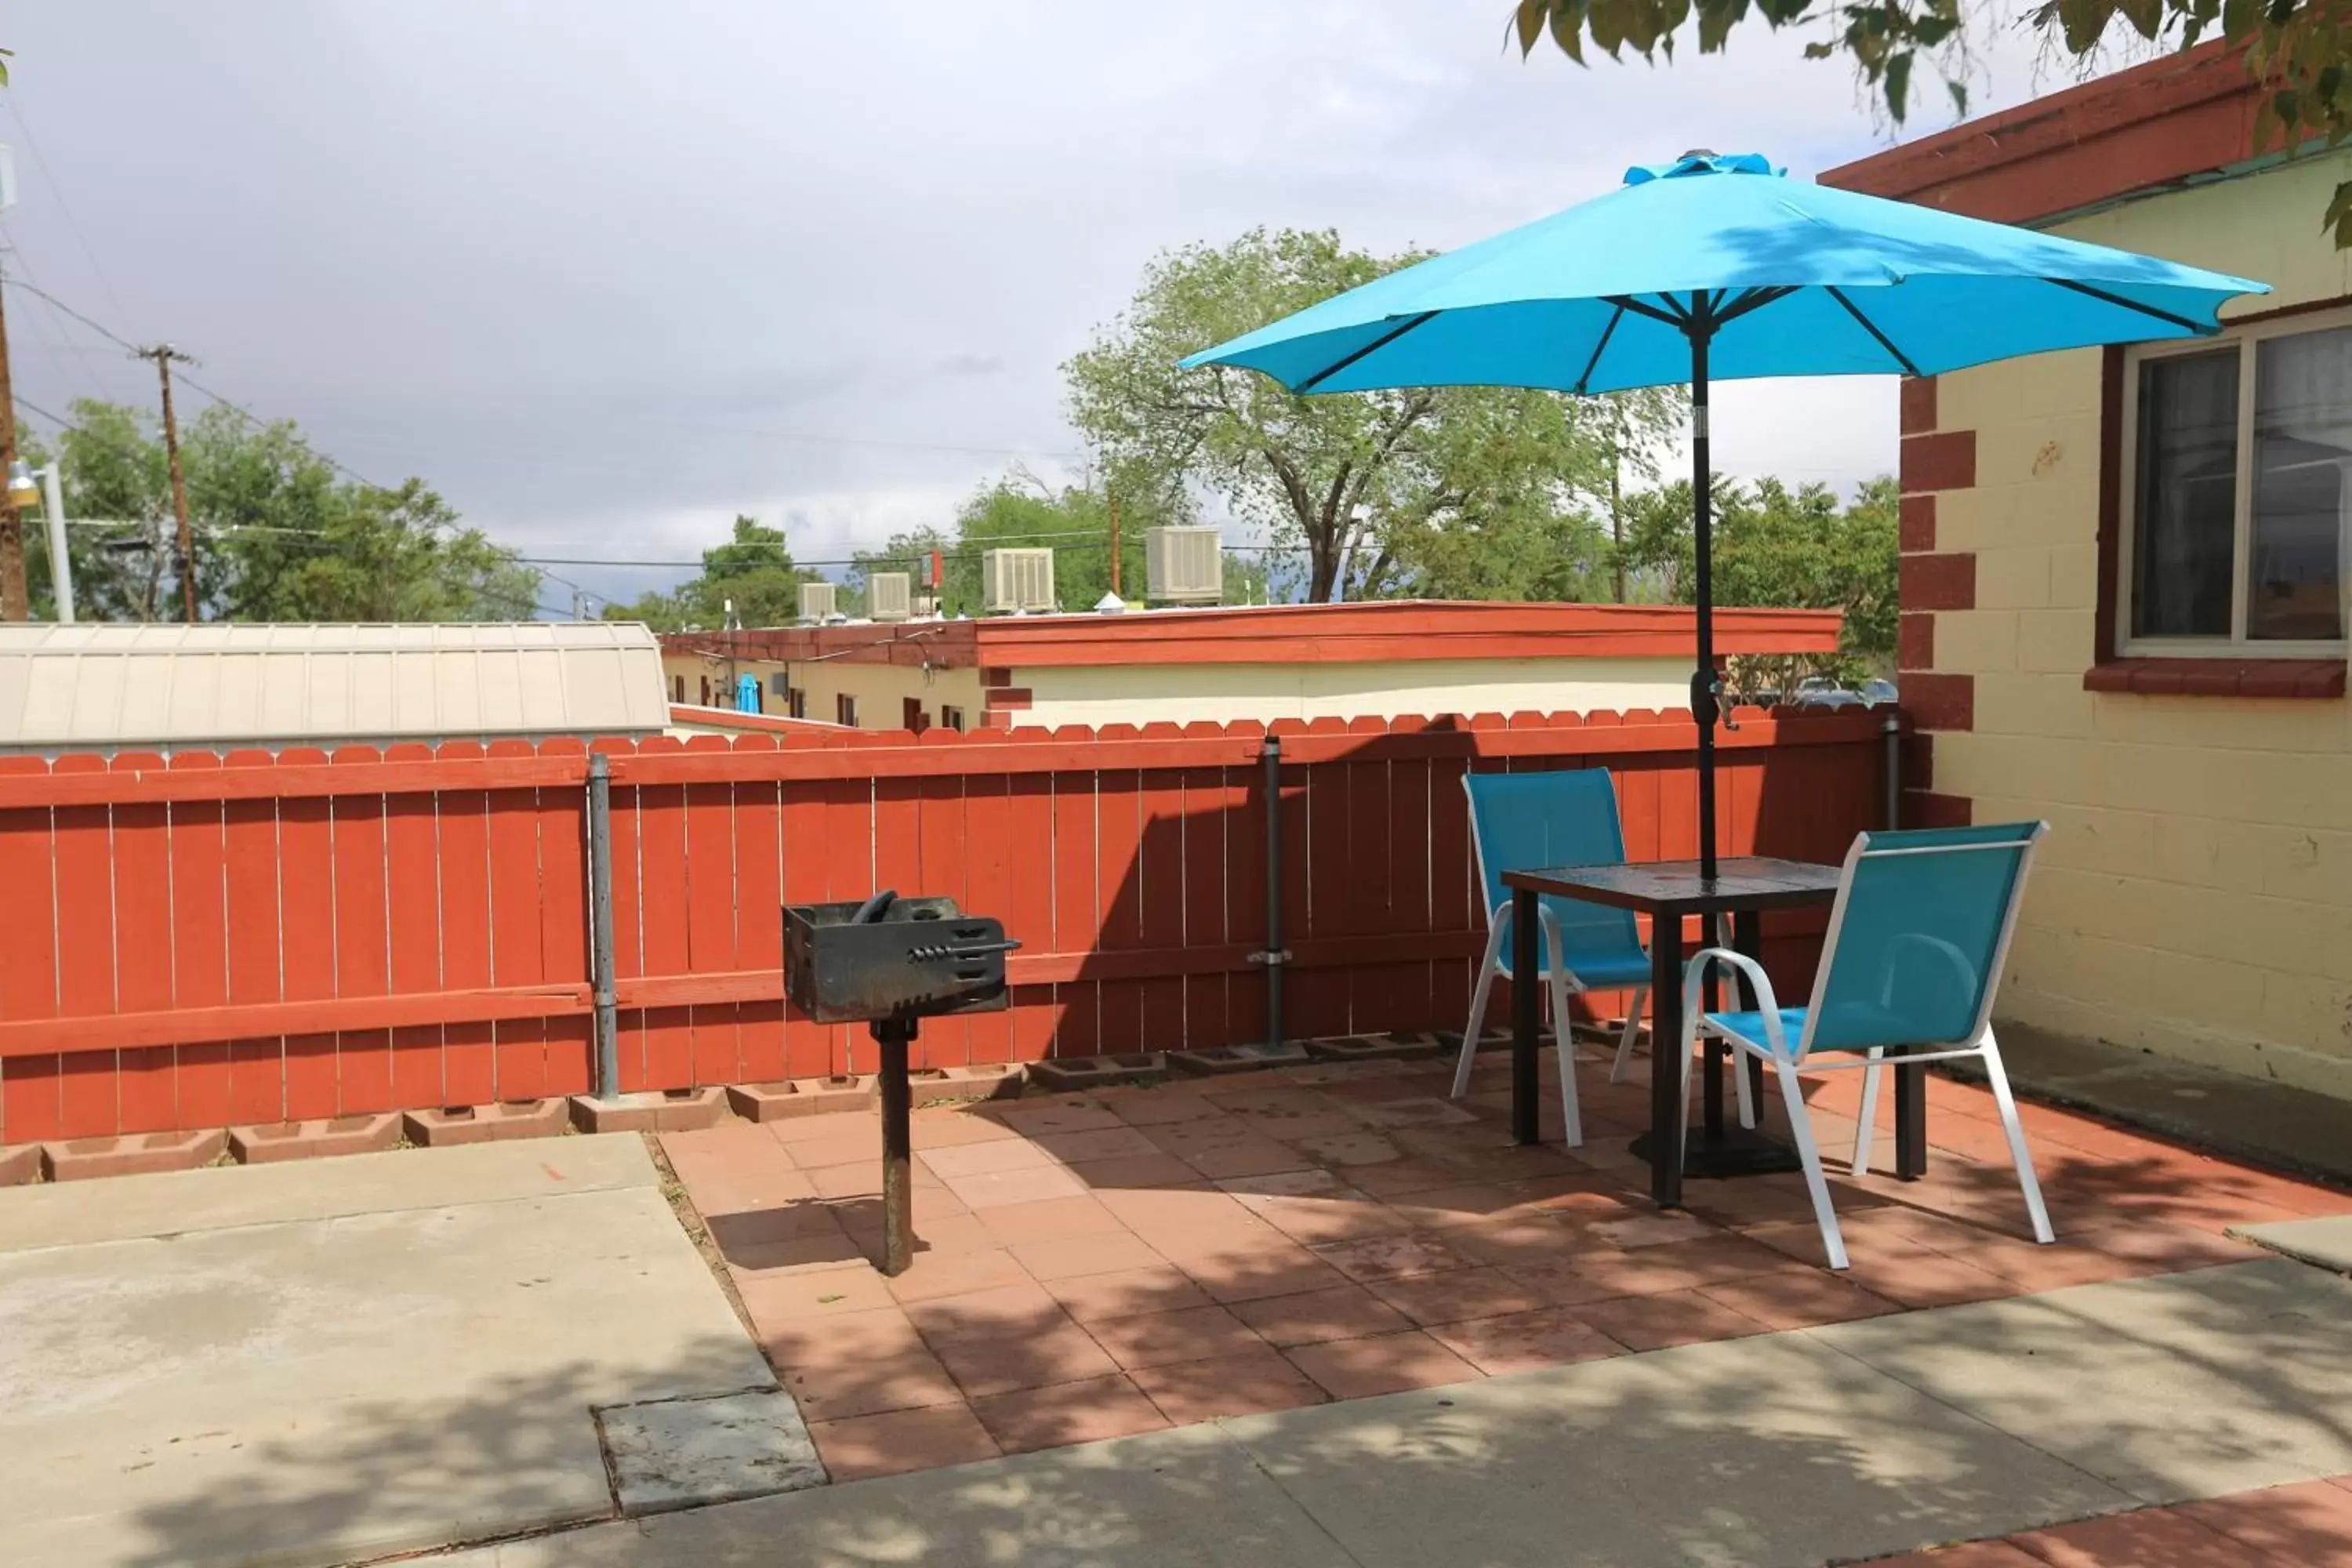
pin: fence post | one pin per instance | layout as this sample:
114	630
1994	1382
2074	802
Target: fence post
600	920
1892	727
1274	954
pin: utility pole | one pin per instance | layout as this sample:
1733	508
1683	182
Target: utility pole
1114	540
1617	492
16	596
164	354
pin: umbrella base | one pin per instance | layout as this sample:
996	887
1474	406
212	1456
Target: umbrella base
1738	1152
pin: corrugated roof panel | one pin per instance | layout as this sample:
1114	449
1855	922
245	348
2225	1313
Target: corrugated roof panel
226	686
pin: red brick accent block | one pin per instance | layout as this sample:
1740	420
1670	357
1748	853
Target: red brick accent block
843	1091
1916	523
1213	1061
2283	678
1939	582
1940	701
20	1164
1914	645
996	677
651	1110
1918	405
1396	1047
138	1154
442	1128
1003	697
1944	461
766	1102
303	1140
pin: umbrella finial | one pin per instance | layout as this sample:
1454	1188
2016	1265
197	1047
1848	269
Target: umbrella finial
1700	152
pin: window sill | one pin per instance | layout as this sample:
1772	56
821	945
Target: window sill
2274	678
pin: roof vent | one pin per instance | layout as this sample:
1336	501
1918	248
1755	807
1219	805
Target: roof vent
1186	566
1014	582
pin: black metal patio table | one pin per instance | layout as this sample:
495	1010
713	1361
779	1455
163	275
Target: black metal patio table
1744	887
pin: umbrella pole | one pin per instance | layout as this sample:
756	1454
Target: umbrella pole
1704	706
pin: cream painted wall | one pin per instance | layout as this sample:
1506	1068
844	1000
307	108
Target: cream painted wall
2195	895
881	689
1141	694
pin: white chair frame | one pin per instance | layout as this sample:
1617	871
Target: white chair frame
1562	985
1787	1064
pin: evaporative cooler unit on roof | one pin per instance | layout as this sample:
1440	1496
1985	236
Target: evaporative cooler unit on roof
1186	566
889	596
1016	580
816	601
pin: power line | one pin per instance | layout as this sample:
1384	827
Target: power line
57	194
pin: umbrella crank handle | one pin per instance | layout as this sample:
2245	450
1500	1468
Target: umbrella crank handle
1722	709
1707	701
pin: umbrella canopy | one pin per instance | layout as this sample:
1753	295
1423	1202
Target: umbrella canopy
1713	267
1787	278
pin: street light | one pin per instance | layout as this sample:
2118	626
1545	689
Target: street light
29	486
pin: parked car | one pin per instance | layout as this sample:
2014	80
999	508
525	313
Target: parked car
1880	694
1821	692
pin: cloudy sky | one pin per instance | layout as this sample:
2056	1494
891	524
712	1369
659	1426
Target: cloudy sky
608	274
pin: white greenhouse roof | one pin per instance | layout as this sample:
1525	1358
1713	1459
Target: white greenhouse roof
107	688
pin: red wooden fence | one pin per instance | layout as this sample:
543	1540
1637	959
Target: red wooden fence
258	938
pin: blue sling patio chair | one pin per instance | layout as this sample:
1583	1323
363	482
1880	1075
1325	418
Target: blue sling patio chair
1520	822
1914	953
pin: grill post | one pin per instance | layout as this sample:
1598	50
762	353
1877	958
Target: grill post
1892	727
893	1035
1274	953
600	922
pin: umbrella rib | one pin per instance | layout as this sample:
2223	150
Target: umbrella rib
1383	340
2199	328
1601	347
1752	299
1627	302
1872	328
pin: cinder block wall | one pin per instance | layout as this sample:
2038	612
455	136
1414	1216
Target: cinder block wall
2195	896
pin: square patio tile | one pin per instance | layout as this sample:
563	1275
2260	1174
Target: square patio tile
685	1453
1457	1294
1054	1220
1523	1342
1247	1383
789	1298
1357	1146
872	1335
1022	1307
1114	1142
1029	1359
1161	1339
1799	1298
1068	1412
2151	1538
1666	1319
899	1441
1164	1106
1030	1185
1071	1257
1393	1179
981	1159
1131	1170
1517	1236
1251	1157
1382	1364
1127	1293
1341	1312
1387	1256
1279	1267
934	1274
1058	1115
1341	1216
832	1388
1680	1265
945	1234
2309	1523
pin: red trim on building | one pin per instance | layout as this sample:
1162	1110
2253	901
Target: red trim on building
1946	460
1918	403
1939	582
2284	678
1940	701
1916	641
2145	129
997	699
1917	524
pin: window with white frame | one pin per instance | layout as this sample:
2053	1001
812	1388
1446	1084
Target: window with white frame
2239	461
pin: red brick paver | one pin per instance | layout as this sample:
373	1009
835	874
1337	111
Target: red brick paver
2308	1525
1095	1266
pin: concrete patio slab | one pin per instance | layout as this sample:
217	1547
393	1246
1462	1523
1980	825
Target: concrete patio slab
2190	1386
414	1361
681	1453
2323	1243
1770	1450
218	1197
1185	1499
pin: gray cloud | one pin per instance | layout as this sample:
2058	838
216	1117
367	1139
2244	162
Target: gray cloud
608	274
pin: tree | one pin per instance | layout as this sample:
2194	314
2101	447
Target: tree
1365	482
278	535
2300	51
1789	549
753	571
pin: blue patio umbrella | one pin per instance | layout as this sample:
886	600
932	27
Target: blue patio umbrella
1719	267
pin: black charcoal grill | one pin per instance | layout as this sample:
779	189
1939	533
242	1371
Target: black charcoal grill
889	962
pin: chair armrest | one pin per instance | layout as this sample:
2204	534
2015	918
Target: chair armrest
1694	979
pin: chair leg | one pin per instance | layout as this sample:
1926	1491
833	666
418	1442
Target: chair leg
1801	1126
1869	1125
1486	971
1739	1082
1564	1038
1626	1039
2018	1151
